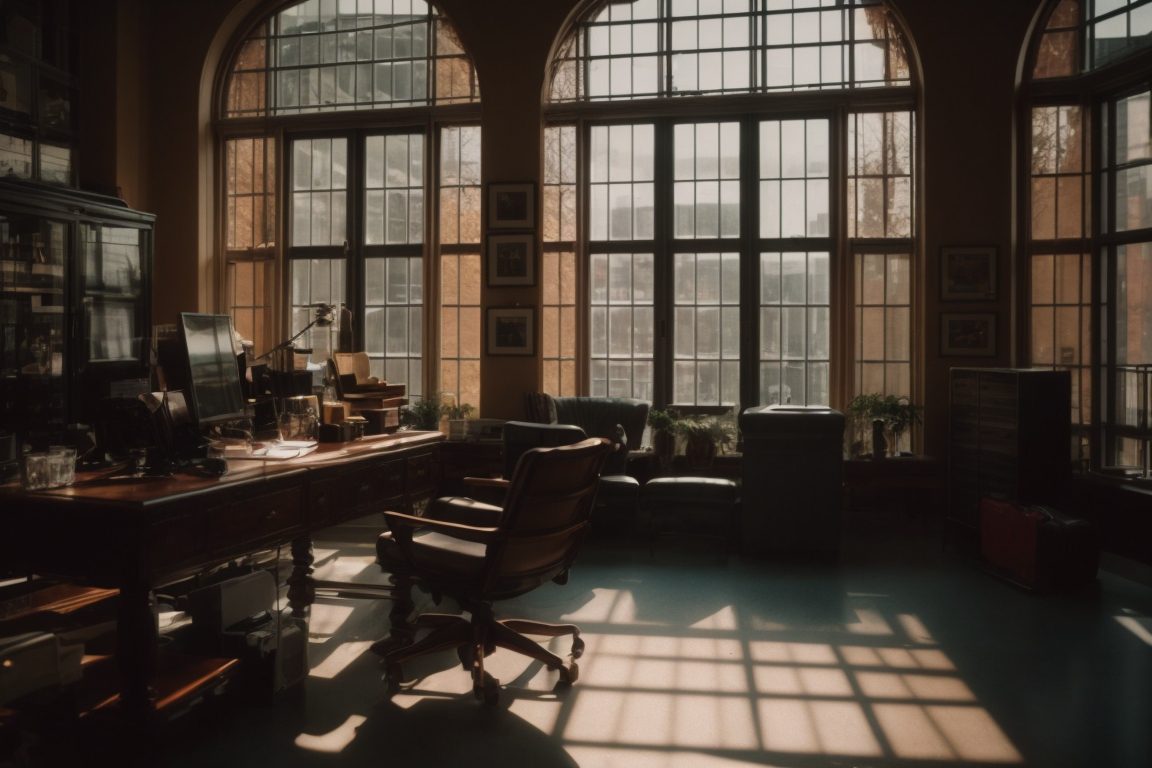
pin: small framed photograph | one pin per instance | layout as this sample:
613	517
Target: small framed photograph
511	331
972	335
512	206
512	259
968	274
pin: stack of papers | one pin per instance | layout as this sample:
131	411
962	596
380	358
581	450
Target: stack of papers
285	449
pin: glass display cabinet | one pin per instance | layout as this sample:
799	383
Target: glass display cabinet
75	295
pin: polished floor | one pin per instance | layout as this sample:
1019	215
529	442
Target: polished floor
906	654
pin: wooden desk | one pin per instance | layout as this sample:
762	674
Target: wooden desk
135	535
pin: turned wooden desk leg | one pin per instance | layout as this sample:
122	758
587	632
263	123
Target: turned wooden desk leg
301	589
137	642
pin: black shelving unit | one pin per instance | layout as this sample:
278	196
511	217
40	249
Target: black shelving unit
75	306
1009	437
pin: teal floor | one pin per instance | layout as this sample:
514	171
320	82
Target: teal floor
905	654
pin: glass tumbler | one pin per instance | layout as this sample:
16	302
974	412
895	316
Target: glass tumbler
61	465
34	471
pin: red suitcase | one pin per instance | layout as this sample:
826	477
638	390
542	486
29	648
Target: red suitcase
1037	547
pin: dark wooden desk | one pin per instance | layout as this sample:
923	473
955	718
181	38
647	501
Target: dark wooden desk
136	535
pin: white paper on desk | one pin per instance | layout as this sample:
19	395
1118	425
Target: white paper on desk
287	449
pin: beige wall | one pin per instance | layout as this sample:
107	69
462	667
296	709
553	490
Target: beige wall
969	54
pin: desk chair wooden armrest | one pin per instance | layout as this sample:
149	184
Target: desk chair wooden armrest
403	526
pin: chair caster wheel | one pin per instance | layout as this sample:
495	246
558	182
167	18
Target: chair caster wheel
569	673
393	677
577	647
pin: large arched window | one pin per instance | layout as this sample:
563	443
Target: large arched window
1089	258
344	182
746	221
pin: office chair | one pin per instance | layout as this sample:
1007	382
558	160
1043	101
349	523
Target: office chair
533	539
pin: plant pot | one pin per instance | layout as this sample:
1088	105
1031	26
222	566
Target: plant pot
457	429
664	446
699	451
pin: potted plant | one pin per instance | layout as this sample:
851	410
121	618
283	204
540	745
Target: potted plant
457	416
664	425
423	413
703	436
884	417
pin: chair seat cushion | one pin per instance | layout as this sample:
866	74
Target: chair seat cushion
617	488
690	490
434	554
465	510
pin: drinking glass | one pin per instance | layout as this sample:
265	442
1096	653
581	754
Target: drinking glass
61	465
34	471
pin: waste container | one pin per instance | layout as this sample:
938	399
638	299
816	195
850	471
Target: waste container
792	481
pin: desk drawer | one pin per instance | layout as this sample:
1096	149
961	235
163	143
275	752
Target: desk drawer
256	518
369	488
422	474
179	539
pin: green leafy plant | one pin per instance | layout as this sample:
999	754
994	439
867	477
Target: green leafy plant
461	411
710	428
896	411
662	421
422	413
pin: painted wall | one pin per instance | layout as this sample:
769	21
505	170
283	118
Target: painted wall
969	53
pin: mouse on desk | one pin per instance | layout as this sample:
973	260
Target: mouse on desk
209	467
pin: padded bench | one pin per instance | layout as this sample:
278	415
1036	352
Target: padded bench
697	506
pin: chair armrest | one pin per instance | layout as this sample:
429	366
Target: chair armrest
403	525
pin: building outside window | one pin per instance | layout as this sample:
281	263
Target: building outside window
1089	219
344	210
751	238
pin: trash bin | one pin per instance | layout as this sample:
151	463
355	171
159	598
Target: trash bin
792	481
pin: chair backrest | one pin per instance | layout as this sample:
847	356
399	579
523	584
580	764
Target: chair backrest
550	497
601	417
519	436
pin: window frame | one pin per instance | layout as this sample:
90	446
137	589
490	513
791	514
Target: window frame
1096	90
354	123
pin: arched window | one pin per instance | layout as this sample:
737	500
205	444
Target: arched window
345	183
749	238
1089	264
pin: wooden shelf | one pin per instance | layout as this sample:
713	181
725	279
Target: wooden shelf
181	681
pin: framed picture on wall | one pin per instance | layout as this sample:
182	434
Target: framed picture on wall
968	334
512	206
511	330
512	259
968	274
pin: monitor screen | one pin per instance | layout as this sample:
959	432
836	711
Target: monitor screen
213	384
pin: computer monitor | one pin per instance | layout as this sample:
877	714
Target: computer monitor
213	382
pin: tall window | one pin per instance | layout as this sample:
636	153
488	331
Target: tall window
1088	277
721	233
356	212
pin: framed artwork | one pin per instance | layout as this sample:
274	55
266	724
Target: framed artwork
972	335
511	331
512	259
512	206
968	274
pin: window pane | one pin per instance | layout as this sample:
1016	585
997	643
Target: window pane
319	192
622	327
794	331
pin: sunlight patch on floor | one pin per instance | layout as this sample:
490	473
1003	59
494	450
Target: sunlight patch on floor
335	740
337	661
326	619
613	757
1140	626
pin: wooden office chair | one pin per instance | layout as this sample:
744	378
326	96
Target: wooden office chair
532	540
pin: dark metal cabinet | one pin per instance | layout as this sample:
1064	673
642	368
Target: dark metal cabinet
75	295
1009	437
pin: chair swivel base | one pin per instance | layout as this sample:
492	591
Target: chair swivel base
477	638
